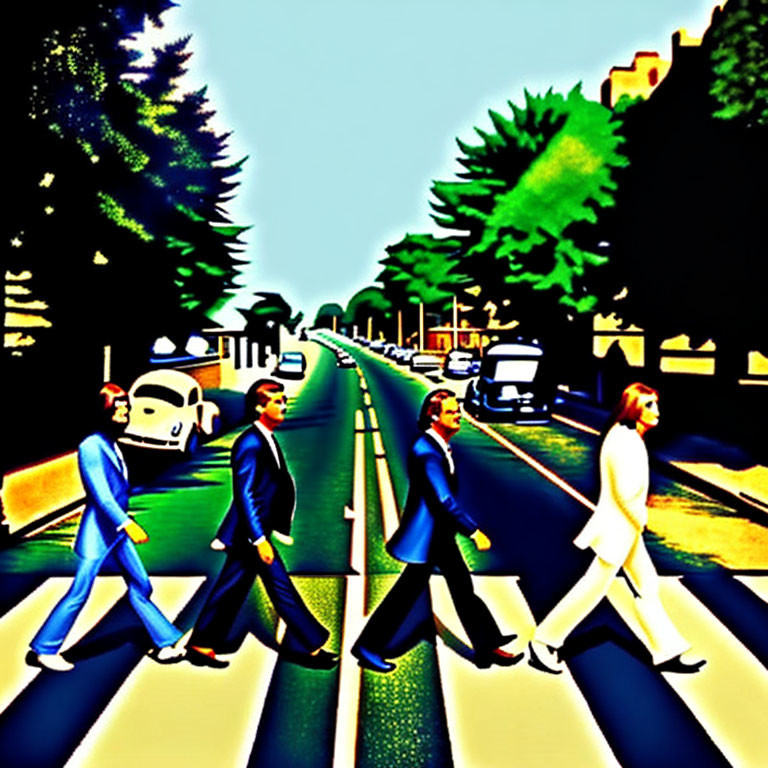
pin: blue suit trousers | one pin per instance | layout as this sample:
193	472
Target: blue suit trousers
54	631
304	633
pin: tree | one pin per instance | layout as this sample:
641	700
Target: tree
115	218
369	303
326	314
263	321
418	269
530	203
688	241
135	189
739	52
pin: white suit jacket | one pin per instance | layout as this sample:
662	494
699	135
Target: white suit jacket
621	514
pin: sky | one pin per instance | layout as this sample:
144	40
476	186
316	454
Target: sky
349	109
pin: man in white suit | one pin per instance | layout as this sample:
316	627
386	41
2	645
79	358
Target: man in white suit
615	533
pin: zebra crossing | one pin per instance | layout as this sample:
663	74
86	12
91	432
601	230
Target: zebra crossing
179	715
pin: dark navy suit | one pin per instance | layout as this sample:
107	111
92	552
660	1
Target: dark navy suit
424	539
264	497
100	535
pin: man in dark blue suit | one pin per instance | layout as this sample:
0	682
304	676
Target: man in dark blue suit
426	538
105	530
264	498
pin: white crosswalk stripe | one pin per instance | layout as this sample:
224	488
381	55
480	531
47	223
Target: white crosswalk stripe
729	696
494	713
758	584
18	627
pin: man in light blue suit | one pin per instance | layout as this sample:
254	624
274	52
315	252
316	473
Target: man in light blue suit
105	529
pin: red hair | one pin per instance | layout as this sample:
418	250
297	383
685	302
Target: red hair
628	407
109	393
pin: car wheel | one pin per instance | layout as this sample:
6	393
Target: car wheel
192	444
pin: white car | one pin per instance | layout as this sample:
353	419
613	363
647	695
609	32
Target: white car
168	412
458	364
291	365
423	363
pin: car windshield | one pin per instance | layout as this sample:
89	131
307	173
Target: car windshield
292	357
514	370
159	392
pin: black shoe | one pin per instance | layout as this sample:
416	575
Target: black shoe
537	663
321	660
200	659
501	658
676	664
371	660
506	639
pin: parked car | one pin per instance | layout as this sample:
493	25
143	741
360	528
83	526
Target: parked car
512	386
404	356
458	364
377	345
291	365
423	363
168	412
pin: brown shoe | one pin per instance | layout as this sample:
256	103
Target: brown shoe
498	657
204	657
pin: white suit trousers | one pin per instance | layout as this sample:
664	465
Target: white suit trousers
661	636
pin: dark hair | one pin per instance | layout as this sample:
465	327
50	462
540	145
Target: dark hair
432	407
258	394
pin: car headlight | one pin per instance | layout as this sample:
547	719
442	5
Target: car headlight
176	429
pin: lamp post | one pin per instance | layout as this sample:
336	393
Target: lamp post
455	322
421	326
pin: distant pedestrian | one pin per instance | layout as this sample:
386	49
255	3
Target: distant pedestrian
105	530
615	533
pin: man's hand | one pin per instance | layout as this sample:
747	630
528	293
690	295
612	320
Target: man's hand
266	553
136	533
482	542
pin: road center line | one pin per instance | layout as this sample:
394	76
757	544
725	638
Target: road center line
345	739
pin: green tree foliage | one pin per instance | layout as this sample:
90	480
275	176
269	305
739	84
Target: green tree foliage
114	216
529	202
739	56
419	269
326	313
369	302
263	321
133	227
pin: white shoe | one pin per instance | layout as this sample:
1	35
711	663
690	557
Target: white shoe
169	653
54	661
544	658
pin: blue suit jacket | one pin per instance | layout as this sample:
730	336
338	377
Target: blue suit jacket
263	494
106	496
431	511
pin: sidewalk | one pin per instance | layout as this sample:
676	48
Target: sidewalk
725	472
